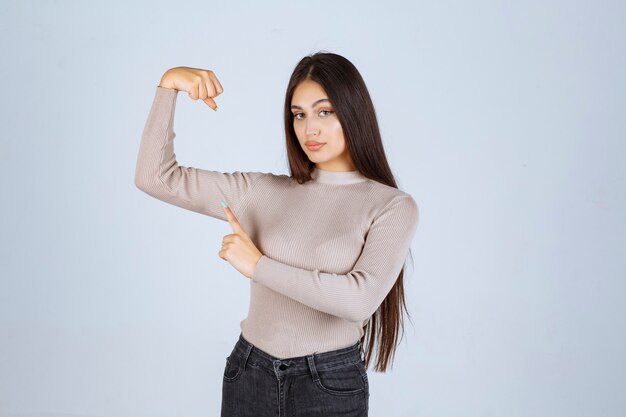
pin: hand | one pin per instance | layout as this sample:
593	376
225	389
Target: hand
238	248
198	83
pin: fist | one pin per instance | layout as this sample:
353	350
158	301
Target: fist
198	83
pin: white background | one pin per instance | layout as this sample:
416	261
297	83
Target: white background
504	120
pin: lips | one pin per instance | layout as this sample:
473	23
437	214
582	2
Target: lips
313	145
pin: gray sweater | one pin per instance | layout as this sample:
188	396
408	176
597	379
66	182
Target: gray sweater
332	247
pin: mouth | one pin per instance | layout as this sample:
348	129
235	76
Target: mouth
313	146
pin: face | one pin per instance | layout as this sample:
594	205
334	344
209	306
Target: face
318	129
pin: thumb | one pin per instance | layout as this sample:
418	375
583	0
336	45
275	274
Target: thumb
211	103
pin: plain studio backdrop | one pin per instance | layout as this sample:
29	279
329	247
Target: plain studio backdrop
504	120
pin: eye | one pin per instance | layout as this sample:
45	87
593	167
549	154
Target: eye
296	115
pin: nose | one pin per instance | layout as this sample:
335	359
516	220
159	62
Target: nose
311	128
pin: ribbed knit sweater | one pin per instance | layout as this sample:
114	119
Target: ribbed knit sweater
332	247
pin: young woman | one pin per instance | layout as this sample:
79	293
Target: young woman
323	247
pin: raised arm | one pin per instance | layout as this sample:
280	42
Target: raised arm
354	296
158	173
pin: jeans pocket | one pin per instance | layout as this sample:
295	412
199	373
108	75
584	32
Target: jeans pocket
363	370
345	380
233	368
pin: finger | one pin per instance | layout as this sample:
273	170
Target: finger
234	223
237	227
193	92
226	241
202	91
211	103
216	83
210	88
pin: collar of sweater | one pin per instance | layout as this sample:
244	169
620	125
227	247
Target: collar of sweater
336	177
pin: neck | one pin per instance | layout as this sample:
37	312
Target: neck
336	177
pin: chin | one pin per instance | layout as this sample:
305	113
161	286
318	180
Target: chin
313	156
317	159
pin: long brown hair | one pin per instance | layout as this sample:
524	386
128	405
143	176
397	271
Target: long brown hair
353	106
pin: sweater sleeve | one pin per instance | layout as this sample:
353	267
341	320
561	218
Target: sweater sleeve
158	174
354	296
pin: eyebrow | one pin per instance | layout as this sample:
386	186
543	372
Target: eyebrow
293	106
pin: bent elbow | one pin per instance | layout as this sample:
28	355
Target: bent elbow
139	184
140	177
150	188
363	309
144	182
358	314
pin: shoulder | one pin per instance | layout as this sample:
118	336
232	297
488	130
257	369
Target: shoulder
393	202
389	194
271	179
256	177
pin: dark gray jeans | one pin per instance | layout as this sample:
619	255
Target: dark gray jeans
327	384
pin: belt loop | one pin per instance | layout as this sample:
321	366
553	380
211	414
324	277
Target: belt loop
247	354
312	367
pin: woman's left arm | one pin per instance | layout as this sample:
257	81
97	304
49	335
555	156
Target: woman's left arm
354	296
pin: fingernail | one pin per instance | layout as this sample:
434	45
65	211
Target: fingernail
215	108
223	203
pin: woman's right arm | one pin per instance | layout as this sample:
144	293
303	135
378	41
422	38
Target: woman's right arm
158	173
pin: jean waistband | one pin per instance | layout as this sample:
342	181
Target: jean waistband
323	360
